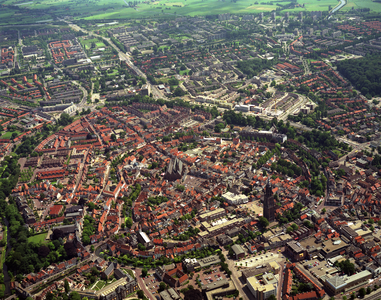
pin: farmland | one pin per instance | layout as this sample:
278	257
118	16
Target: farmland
44	10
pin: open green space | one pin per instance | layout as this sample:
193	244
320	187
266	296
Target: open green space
375	6
42	11
8	134
39	238
99	285
87	43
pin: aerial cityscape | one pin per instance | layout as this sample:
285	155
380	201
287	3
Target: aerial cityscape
193	149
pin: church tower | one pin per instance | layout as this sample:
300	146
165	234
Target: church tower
268	203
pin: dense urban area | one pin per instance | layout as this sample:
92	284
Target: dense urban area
223	156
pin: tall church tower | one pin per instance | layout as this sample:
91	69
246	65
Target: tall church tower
268	203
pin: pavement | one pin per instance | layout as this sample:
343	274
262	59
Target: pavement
142	285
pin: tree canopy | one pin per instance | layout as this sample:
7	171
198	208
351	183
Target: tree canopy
364	73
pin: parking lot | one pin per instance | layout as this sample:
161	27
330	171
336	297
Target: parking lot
152	282
205	277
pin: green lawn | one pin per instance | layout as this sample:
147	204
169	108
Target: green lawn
100	284
38	238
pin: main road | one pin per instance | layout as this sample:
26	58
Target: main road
123	56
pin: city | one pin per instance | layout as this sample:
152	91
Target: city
228	155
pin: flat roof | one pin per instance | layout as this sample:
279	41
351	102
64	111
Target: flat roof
212	212
210	260
216	285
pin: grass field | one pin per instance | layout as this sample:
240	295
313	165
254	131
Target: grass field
375	6
8	134
38	11
38	238
106	9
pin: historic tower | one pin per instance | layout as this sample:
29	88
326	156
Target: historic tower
268	203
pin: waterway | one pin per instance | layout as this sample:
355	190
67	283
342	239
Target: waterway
340	6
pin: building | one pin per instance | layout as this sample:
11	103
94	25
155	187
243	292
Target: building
175	170
250	132
296	251
333	247
190	264
235	199
334	201
144	239
218	289
340	284
117	290
238	251
108	272
169	294
269	203
212	214
209	261
272	267
336	34
263	288
55	211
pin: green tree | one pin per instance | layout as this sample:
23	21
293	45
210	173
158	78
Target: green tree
162	286
264	222
362	292
67	287
144	272
129	222
368	290
75	296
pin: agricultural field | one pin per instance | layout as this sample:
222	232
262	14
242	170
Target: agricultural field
375	6
48	10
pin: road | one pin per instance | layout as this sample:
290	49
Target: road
235	278
123	57
306	67
142	285
83	102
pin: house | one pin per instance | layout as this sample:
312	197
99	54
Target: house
238	251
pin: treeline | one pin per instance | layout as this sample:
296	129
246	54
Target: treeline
89	227
290	214
254	66
286	167
364	73
232	118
